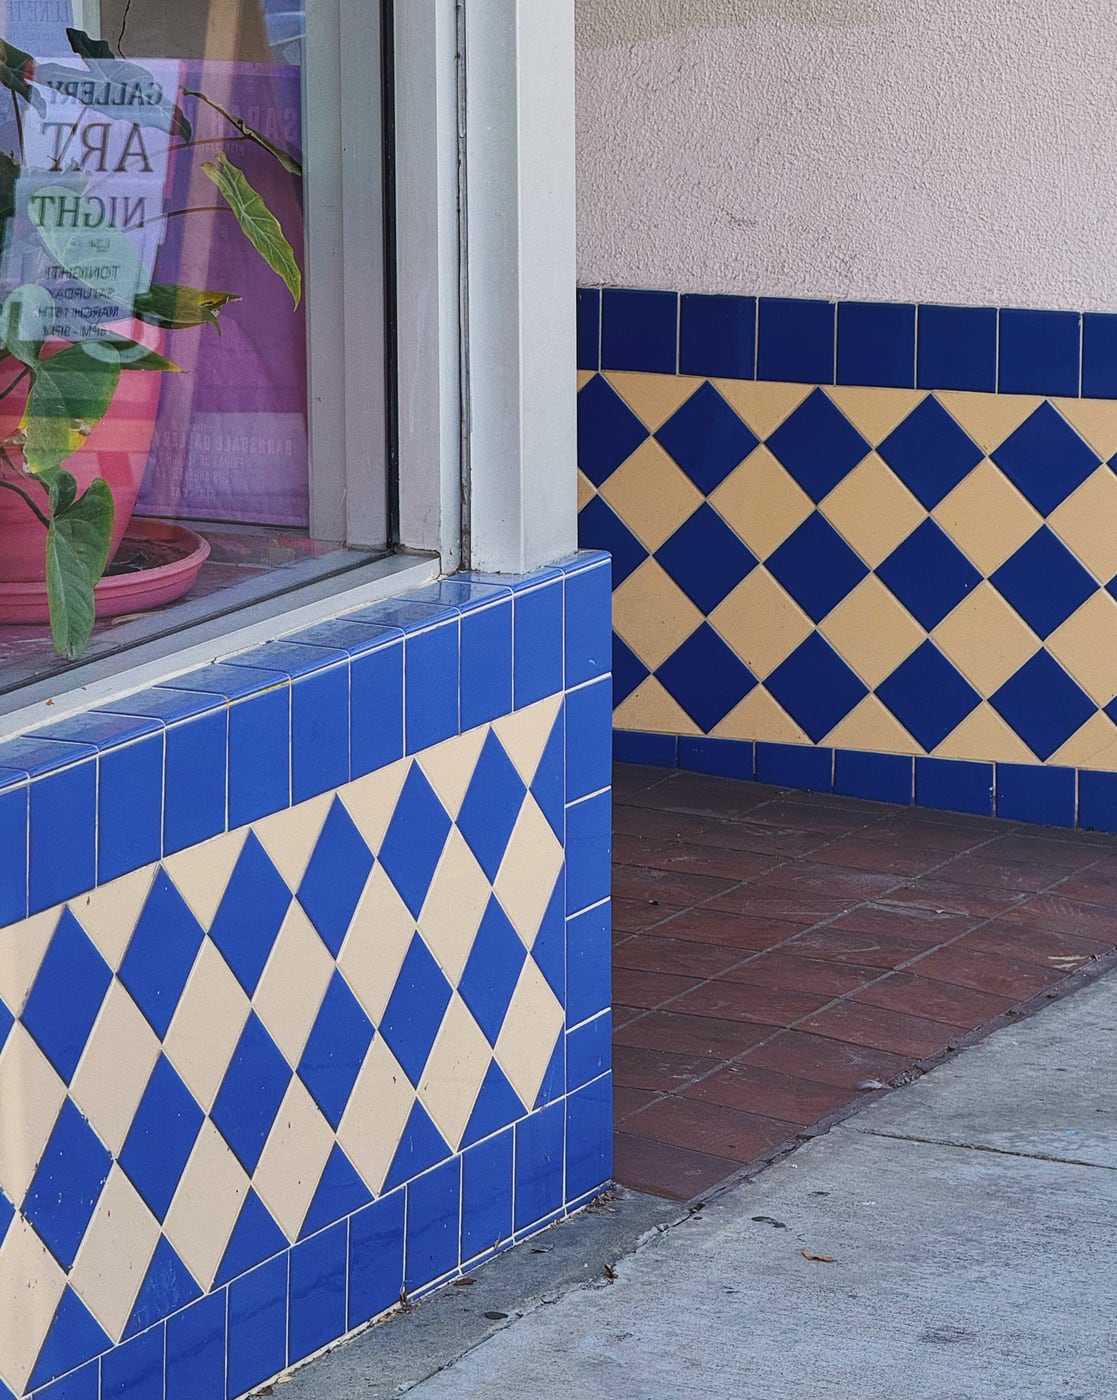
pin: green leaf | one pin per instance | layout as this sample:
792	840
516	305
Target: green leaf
259	224
25	319
69	242
69	397
177	308
285	158
129	354
17	69
78	542
114	86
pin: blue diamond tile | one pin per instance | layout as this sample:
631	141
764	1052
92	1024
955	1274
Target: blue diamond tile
1044	582
706	559
251	1092
818	445
608	430
161	1138
706	438
1039	352
335	877
415	1010
706	678
491	806
251	913
816	687
168	1286
1046	459
493	969
929	574
817	567
548	786
67	1184
66	996
549	948
413	844
255	1237
335	1050
554	1077
930	453
421	1146
1043	705
340	1192
928	696
161	953
600	528
628	670
497	1105
73	1339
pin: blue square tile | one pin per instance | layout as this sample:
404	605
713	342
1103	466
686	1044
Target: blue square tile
491	806
356	637
1043	705
589	739
818	445
1046	459
66	996
589	1139
930	453
316	1306
724	758
290	656
795	766
376	1258
195	789
1099	356
196	1351
319	732
928	574
134	1370
161	953
957	348
538	644
639	330
706	677
412	845
257	1327
433	1224
880	777
876	344
36	756
161	1138
251	913
67	1185
628	671
816	687
928	696
84	1384
228	681
492	971
130	807
947	785
465	592
170	706
588	1050
259	756
796	341
1040	352
816	566
335	1050
62	829
431	686
13	842
486	665
588	963
588	625
600	528
706	559
717	337
376	710
540	1151
414	1013
335	877
1029	792
608	430
706	438
251	1093
97	729
1097	800
589	327
588	852
407	613
486	1196
654	750
1044	582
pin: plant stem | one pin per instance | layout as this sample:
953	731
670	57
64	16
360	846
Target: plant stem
196	209
15	382
19	129
11	486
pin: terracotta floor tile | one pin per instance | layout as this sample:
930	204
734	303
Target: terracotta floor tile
737	1001
684	958
1046	946
953	899
937	1001
912	924
803	909
691	858
623	1014
752	836
823	1061
895	857
880	1029
707	796
636	777
663	1071
639	987
1090	887
829	881
693	1035
798	974
989	875
636	882
939	841
662	1170
1053	911
849	946
812	816
635	915
1107	864
767	1092
988	972
626	1100
727	928
710	1128
1072	853
648	822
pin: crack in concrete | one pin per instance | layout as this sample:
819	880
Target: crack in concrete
984	1147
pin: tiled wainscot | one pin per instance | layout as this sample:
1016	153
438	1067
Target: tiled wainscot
304	987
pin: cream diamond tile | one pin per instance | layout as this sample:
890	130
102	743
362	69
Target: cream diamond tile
293	1160
986	639
650	710
449	766
115	1066
531	865
584	376
986	517
208	1020
22	949
871	726
762	502
872	632
653	397
31	1287
875	412
371	801
459	1061
1086	523
652	614
376	1115
110	913
295	979
376	944
651	495
201	874
455	905
985	737
524	733
527	1038
1093	419
762	405
586	491
1086	644
1092	746
31	1095
761	623
988	418
289	837
204	1211
873	510
760	717
115	1253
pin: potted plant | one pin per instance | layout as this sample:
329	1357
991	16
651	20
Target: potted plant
63	378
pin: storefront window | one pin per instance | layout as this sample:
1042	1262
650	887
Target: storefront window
155	289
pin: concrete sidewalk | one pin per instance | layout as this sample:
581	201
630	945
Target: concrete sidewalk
971	1221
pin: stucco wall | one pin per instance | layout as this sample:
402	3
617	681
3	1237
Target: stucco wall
934	150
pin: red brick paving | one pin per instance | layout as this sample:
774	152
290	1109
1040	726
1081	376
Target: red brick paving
774	950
